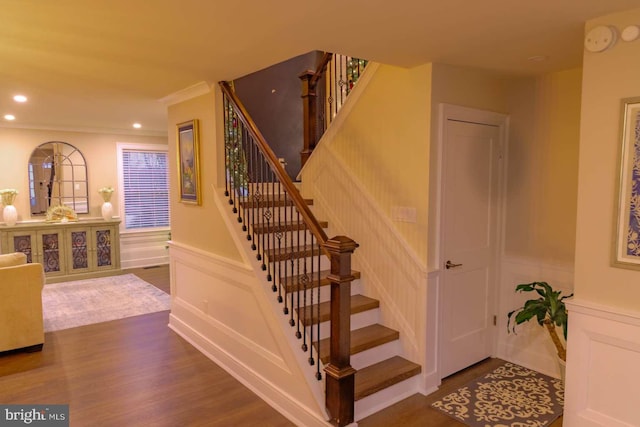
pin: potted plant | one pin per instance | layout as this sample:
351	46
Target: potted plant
549	311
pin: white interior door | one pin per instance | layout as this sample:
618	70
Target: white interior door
471	157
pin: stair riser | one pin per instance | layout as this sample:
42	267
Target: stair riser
265	188
358	320
261	213
288	239
325	292
295	302
298	266
264	192
375	355
387	397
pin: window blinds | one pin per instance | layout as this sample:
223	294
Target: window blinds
146	189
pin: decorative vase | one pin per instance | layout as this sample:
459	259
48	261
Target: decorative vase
107	211
107	208
10	215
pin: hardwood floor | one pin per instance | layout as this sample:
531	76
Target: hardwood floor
137	372
416	411
157	275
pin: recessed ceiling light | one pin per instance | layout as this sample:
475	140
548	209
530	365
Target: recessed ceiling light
20	98
9	117
537	58
137	125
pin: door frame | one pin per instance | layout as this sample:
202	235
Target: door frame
471	115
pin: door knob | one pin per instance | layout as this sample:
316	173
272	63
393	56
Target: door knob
449	265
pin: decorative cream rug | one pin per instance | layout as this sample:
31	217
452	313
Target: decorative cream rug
83	302
509	396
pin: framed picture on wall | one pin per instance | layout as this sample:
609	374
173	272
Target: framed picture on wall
627	242
189	162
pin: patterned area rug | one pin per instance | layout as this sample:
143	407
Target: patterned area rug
509	396
83	302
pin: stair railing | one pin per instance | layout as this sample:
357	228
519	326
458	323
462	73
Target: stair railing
321	102
289	243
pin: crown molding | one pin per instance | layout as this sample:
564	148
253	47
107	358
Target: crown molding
102	131
198	89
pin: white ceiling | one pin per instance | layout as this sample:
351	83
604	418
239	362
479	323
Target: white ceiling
103	64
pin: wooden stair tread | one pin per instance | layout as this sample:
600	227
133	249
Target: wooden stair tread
291	283
284	226
359	303
295	252
362	339
384	374
269	200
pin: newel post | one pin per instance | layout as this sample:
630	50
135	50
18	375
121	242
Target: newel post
340	376
309	115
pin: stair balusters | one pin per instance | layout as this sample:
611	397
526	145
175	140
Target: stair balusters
290	244
324	91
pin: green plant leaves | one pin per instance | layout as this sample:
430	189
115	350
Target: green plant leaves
550	306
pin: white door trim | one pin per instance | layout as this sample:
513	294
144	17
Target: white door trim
455	112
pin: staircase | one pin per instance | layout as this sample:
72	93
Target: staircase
311	278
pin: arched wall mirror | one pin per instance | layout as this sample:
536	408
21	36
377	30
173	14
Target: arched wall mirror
57	176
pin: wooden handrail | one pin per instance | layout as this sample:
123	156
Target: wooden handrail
322	67
340	376
276	167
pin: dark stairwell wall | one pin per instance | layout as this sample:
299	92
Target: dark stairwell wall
272	98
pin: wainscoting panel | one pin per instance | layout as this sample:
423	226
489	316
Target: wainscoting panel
603	379
144	249
391	270
531	345
219	306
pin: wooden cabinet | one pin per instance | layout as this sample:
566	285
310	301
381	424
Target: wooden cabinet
67	251
43	246
91	249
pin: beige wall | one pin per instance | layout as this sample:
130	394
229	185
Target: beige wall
544	117
385	142
467	87
543	166
542	160
99	151
608	77
200	227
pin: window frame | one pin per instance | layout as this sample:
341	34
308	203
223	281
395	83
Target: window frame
126	146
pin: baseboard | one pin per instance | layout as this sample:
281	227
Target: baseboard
284	403
145	262
386	397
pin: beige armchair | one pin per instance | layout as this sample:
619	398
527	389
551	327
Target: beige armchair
21	324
